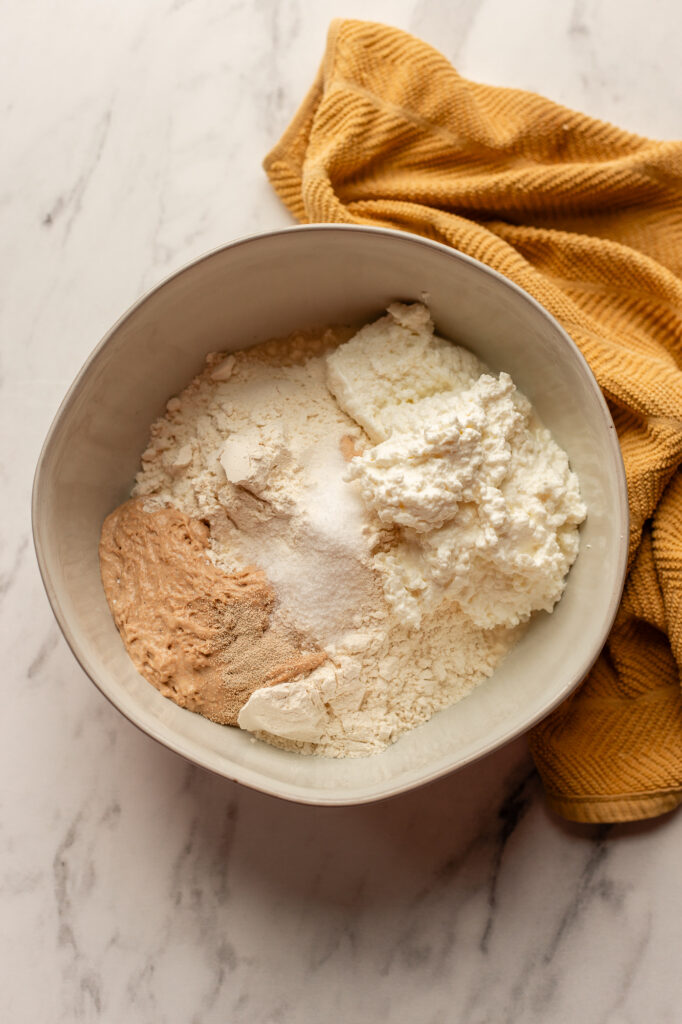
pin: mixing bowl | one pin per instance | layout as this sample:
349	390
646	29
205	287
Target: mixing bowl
269	285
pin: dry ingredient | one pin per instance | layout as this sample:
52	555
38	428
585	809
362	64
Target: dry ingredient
203	637
399	511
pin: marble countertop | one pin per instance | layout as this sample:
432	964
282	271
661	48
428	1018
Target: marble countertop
136	887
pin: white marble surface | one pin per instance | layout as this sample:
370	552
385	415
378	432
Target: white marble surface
134	887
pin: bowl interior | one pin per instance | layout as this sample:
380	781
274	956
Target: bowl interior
267	286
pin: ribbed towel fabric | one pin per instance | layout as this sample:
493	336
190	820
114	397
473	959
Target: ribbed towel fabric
588	219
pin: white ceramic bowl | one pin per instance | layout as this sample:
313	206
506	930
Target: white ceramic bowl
269	285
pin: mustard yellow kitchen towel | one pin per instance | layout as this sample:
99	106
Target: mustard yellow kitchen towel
588	219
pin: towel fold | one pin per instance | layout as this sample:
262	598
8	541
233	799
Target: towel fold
588	219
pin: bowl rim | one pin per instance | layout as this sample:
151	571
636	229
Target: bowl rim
252	778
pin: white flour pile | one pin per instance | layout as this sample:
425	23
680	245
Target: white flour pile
408	508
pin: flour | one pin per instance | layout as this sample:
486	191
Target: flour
406	506
266	472
377	685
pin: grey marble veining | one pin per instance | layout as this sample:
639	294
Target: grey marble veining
136	887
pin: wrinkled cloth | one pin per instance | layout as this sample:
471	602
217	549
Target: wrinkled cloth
587	219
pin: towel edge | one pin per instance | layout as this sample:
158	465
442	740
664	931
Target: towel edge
615	808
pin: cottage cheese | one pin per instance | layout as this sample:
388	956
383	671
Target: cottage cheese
486	503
